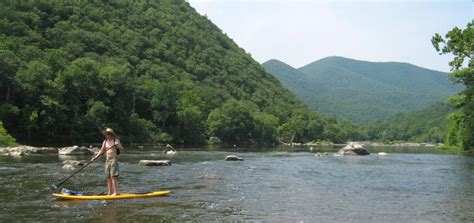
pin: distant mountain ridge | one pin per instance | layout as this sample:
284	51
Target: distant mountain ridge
362	91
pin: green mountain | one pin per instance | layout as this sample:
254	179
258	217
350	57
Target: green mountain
362	91
155	71
425	125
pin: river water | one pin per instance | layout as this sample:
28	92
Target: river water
270	185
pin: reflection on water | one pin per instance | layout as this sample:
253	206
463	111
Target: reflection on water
269	185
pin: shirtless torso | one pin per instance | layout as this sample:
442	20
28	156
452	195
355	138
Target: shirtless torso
111	146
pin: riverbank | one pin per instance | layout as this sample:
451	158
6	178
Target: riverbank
367	143
313	147
26	150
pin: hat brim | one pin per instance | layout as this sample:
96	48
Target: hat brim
106	132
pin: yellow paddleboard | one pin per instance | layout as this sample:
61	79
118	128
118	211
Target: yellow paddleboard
110	197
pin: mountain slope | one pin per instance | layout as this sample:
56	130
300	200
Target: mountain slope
152	70
424	125
289	76
363	91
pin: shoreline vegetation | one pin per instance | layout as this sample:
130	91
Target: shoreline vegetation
401	144
173	76
21	150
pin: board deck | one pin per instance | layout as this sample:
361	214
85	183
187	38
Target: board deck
110	197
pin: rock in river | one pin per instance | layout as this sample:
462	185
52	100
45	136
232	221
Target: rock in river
154	163
68	167
75	150
25	150
353	148
233	158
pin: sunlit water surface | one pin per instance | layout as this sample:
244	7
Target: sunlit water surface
270	185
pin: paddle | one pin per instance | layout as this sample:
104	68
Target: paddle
58	185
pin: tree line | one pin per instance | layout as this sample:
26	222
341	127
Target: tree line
425	125
155	71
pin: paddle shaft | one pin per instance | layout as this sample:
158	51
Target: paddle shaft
79	170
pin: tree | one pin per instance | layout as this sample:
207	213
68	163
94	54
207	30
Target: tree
460	43
5	138
191	120
233	122
265	129
293	129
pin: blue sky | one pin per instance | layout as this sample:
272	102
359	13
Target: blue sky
299	32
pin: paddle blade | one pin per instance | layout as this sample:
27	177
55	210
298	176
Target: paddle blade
54	187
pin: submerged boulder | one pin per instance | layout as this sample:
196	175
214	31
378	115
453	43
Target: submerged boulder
74	162
353	148
68	167
71	165
154	163
209	177
321	154
17	153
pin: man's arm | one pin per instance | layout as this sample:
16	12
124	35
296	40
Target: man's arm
101	151
119	145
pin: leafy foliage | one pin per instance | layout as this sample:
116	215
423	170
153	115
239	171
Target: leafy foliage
6	139
233	122
152	70
425	125
460	42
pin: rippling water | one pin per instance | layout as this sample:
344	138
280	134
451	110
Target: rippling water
268	186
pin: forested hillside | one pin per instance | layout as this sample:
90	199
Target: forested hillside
363	91
155	71
426	125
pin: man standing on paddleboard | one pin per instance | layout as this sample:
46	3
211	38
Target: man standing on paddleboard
111	147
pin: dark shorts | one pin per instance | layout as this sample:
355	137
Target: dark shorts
111	168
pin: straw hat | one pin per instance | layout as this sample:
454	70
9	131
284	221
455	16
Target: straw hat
109	130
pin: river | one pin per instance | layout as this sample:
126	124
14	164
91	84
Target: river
270	185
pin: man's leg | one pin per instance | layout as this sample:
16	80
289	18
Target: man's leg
114	185
109	185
